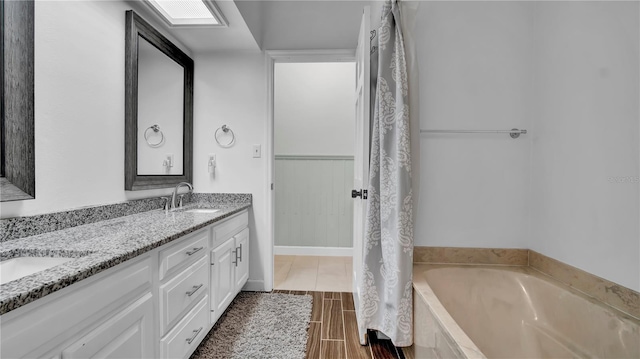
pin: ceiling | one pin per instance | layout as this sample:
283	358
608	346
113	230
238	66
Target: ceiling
235	37
303	25
256	25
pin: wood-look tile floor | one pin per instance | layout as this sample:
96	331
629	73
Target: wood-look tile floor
333	331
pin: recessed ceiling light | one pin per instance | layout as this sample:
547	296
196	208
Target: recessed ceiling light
188	12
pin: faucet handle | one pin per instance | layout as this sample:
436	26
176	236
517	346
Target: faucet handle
165	206
180	200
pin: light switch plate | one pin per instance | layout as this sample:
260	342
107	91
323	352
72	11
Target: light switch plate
257	152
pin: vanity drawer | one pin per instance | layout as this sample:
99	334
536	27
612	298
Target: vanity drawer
183	252
186	336
181	292
230	227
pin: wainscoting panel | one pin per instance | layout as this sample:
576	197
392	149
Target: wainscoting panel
313	201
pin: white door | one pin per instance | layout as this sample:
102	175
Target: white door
361	154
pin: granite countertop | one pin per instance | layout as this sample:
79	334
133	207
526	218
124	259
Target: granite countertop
98	246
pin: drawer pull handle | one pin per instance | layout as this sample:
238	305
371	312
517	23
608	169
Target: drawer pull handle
194	290
235	254
194	251
195	334
240	252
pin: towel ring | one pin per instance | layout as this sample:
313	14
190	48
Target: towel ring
225	129
155	129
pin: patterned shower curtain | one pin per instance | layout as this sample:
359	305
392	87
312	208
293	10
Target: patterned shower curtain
386	297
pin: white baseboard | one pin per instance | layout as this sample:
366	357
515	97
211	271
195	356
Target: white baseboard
254	286
313	251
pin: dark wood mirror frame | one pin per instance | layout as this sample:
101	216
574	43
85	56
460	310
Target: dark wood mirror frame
17	160
136	27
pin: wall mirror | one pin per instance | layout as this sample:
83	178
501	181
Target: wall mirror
159	109
17	154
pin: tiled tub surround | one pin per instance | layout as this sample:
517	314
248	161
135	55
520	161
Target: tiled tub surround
615	295
99	245
499	256
622	298
515	312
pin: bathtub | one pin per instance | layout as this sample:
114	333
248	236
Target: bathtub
481	311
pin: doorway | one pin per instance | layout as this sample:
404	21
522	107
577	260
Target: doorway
312	171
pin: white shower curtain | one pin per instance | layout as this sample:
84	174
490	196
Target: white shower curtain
386	297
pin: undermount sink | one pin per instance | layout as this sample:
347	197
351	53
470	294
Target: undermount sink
16	268
202	210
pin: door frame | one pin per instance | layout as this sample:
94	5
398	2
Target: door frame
286	56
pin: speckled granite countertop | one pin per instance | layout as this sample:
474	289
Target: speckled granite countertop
98	246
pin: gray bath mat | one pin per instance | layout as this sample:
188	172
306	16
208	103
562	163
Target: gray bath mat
260	325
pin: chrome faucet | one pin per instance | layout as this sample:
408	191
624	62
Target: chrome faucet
175	193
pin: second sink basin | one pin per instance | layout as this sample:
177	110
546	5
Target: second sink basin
16	268
202	210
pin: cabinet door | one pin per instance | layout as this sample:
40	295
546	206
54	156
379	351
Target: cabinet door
48	324
127	334
242	269
223	267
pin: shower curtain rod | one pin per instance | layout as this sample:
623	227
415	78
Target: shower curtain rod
514	133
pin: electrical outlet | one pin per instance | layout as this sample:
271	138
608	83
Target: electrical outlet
257	152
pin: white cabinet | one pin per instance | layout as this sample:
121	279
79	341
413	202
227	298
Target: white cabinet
151	306
182	292
242	259
229	228
223	260
187	335
229	262
174	256
127	334
87	318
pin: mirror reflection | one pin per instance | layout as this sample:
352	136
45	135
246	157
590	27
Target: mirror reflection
160	112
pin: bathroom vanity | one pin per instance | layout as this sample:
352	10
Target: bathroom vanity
148	285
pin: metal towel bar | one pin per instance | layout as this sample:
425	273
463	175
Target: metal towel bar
514	133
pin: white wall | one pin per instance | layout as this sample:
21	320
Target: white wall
79	107
231	89
307	25
569	73
314	111
585	136
324	219
475	73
